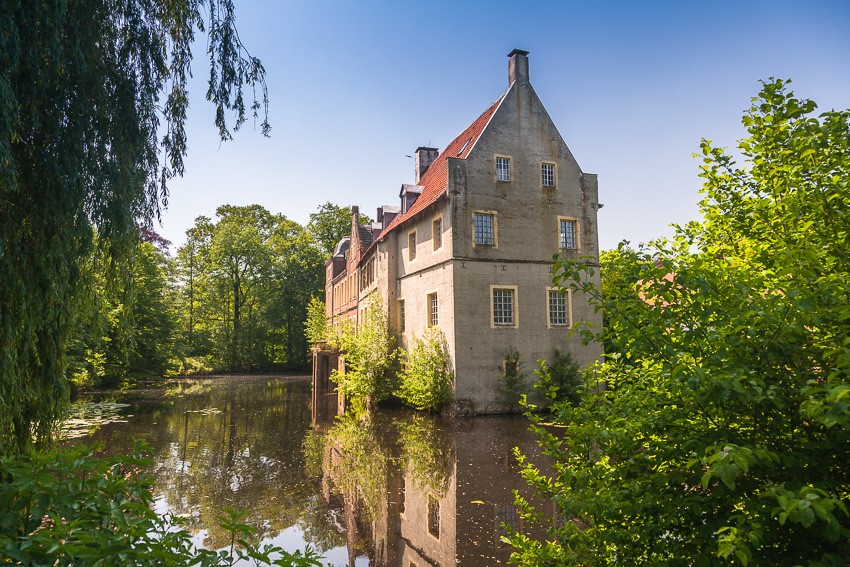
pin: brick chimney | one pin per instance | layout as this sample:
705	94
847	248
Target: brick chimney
424	158
518	67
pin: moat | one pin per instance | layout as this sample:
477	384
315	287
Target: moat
396	488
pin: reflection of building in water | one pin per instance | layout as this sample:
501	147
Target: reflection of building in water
432	494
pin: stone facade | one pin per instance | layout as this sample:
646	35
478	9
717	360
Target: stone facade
471	248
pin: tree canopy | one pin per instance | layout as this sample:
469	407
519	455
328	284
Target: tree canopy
330	223
93	101
723	434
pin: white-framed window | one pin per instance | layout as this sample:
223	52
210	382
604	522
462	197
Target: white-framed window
568	230
411	246
401	322
547	174
433	310
503	306
503	168
559	307
484	224
437	231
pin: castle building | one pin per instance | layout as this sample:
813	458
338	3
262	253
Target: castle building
470	248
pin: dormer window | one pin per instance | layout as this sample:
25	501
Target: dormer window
503	168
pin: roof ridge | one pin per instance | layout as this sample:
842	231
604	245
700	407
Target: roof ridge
435	179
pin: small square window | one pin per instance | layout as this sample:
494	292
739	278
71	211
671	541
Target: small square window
503	307
437	228
433	310
484	229
503	168
547	174
569	234
559	308
411	245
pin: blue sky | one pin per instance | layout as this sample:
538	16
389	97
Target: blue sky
632	87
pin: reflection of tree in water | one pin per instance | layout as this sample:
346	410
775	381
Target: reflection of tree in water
357	459
362	450
428	452
246	456
365	461
230	443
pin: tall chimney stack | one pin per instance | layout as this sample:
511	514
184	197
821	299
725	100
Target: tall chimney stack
424	158
518	67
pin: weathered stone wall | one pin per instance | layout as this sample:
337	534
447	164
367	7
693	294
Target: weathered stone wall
527	236
430	272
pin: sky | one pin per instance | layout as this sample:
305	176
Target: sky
356	87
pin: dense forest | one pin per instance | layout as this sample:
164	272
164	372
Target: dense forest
232	297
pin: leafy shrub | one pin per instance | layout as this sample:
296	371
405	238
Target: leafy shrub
68	507
316	325
427	377
561	379
723	434
514	385
369	354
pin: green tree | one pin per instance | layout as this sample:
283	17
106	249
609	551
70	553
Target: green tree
244	283
92	93
190	267
125	329
240	271
726	437
300	275
152	321
330	223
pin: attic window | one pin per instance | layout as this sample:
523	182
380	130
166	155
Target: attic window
463	148
503	168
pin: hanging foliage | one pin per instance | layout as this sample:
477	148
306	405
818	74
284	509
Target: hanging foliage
93	100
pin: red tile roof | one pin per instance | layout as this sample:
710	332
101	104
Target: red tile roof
436	178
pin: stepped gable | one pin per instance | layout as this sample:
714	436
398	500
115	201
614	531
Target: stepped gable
366	237
435	179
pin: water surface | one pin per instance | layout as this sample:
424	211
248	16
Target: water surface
396	488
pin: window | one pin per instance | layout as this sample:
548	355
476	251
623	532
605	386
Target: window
547	174
503	168
367	274
433	516
485	229
401	315
569	234
433	310
503	306
560	311
437	229
411	246
507	517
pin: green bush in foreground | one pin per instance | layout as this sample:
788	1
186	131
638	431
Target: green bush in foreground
427	377
723	434
68	507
